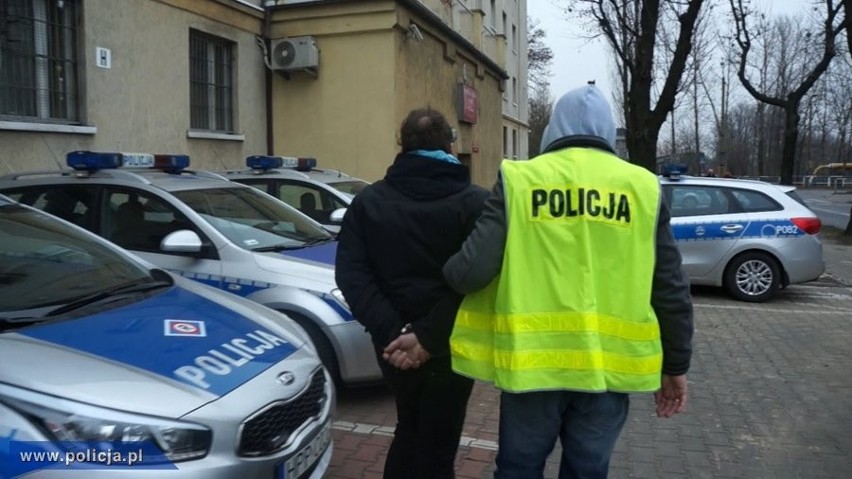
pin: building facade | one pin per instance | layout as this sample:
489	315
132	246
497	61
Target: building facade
167	76
499	29
220	80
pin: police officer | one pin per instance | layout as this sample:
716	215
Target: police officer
575	296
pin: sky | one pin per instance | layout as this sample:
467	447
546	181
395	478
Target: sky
578	59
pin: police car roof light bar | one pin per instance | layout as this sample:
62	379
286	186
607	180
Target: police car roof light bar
675	171
91	161
306	164
171	162
264	162
261	162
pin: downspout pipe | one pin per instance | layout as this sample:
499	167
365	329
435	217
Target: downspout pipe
268	77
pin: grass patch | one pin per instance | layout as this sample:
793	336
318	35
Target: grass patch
835	235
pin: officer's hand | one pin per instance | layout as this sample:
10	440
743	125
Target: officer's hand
671	398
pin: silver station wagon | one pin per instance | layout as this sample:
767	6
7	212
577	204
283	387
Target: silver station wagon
750	237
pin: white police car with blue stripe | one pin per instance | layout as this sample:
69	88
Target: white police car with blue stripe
321	194
220	233
751	237
113	367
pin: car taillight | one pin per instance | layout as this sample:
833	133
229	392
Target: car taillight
810	226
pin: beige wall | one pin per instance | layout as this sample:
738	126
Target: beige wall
142	102
371	75
344	115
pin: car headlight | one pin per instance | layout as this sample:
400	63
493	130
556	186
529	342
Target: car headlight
338	296
178	441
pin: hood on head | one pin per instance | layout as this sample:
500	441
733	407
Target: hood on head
581	112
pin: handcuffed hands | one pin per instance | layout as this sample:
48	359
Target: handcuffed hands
406	352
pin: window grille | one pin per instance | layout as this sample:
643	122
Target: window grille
38	61
211	82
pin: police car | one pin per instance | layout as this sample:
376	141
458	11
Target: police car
221	233
321	194
750	237
117	368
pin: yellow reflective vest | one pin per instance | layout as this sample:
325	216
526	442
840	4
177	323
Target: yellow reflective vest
571	307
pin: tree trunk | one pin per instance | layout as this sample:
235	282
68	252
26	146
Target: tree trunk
643	149
791	135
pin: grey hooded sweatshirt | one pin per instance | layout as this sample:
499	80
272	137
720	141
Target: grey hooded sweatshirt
582	118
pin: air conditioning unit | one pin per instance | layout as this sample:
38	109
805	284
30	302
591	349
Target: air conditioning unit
294	53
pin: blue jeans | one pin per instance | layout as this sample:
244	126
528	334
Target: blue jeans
587	425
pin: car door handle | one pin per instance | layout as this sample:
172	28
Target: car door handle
732	228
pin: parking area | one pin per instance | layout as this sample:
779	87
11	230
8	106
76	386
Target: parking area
770	396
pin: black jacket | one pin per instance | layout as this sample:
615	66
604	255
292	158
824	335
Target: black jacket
396	236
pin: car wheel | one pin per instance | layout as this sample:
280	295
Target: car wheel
753	277
325	350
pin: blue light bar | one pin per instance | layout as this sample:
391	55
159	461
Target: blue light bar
675	170
263	162
90	160
260	162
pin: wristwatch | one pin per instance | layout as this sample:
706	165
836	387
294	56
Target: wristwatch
408	328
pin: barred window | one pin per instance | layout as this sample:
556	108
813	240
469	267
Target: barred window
211	82
38	60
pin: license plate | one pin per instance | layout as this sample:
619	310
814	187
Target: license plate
305	457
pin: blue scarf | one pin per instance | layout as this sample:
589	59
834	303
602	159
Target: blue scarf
439	155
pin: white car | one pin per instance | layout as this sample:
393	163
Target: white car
114	368
751	237
218	232
321	194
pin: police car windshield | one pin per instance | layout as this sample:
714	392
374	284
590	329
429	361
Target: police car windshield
253	220
349	187
45	263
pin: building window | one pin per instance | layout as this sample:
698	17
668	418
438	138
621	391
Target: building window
493	13
211	82
505	142
514	39
514	143
514	91
38	61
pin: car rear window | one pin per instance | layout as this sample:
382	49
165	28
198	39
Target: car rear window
754	201
795	196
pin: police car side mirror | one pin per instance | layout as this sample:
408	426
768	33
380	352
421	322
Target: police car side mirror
337	215
181	241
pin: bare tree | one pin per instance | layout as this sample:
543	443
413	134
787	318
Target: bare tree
540	108
789	97
631	28
539	59
720	109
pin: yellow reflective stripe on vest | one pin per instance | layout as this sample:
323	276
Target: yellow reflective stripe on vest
580	242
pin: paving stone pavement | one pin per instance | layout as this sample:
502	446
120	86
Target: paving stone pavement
770	397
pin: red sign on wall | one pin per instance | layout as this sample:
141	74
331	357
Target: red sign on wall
467	103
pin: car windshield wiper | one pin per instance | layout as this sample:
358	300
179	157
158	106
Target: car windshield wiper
132	287
15	322
277	247
318	240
